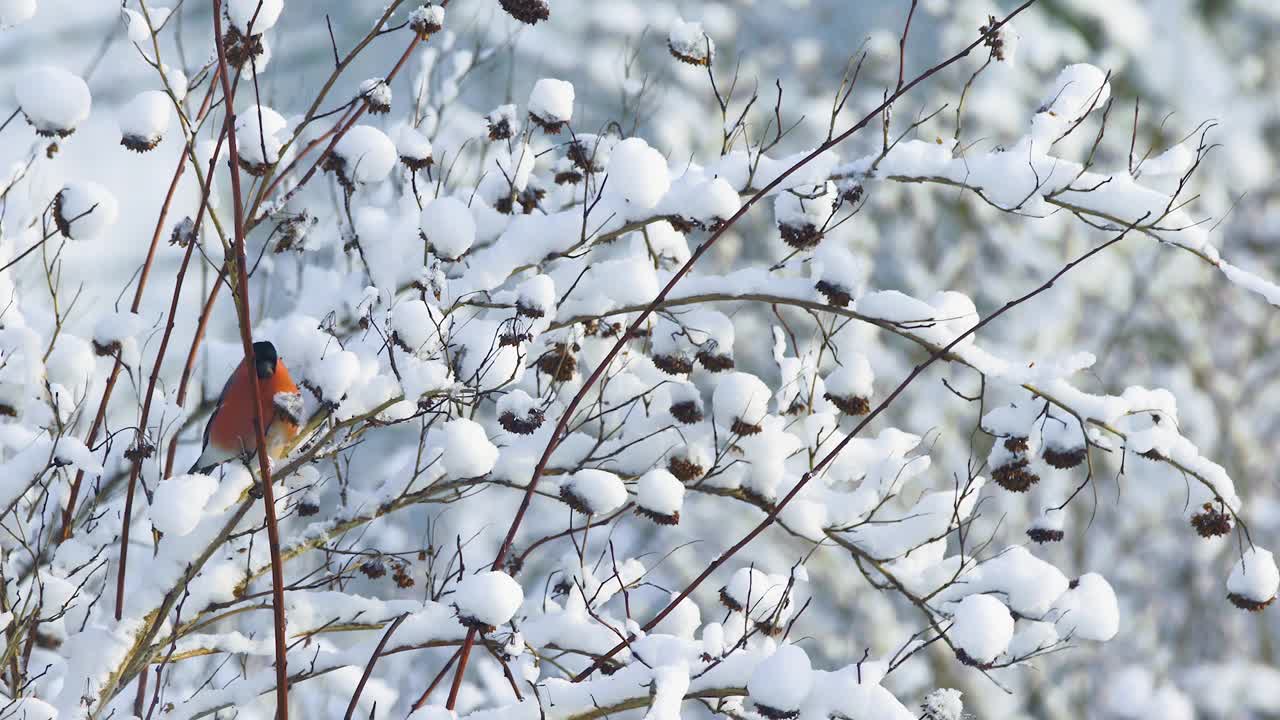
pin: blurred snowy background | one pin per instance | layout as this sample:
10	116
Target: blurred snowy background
1152	316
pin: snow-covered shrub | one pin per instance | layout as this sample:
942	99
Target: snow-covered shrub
736	370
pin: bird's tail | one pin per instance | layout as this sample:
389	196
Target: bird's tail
197	468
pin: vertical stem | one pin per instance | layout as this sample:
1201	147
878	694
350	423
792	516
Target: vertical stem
241	277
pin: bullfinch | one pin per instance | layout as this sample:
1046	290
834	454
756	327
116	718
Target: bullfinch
230	433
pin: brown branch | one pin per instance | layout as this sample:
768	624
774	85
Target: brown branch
368	669
246	339
934	356
623	338
68	514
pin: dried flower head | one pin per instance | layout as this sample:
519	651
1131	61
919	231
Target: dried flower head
1245	603
523	424
850	405
689	44
1015	476
376	94
240	49
836	295
559	362
1212	521
373	569
1063	458
1044	535
427	20
527	11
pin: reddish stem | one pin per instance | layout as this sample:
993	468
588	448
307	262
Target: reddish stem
557	434
246	339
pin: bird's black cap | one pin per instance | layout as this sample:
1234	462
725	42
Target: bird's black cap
264	359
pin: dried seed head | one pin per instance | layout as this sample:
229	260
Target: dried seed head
1014	476
427	20
836	295
307	506
549	126
140	451
1044	535
674	364
714	362
502	122
1063	458
401	576
573	500
559	362
527	11
967	659
376	93
1249	604
657	517
240	49
373	569
110	349
684	468
851	405
139	143
775	713
1016	444
687	411
727	600
801	236
522	424
184	232
1211	521
993	38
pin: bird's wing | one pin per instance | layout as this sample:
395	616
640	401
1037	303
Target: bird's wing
208	426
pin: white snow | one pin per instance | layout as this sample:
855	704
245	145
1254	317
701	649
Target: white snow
1077	90
688	40
806	206
683	621
415	324
16	12
178	503
783	680
551	101
1088	611
88	208
467	450
660	492
637	176
53	100
1254	576
852	379
377	93
448	225
537	295
491	598
741	396
431	16
943	704
258	128
982	627
242	12
146	117
412	144
368	153
599	491
503	115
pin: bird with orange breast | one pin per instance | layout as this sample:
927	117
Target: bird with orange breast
230	433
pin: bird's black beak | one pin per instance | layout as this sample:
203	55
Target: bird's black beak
264	359
265	368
